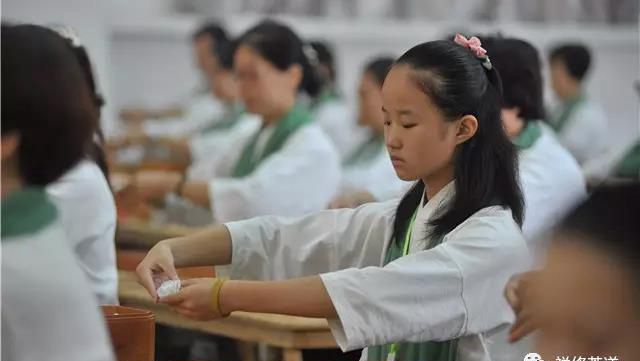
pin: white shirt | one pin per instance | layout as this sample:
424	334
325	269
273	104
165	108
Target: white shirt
376	176
201	111
88	214
48	309
585	134
552	184
338	123
301	177
454	290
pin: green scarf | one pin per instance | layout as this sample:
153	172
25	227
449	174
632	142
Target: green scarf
568	108
413	351
366	152
327	95
249	161
529	135
230	118
26	211
629	166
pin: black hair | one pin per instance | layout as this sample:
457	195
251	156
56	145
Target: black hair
223	51
379	67
46	101
212	29
485	166
608	221
281	47
96	151
575	57
520	70
324	55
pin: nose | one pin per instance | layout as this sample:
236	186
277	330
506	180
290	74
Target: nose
392	137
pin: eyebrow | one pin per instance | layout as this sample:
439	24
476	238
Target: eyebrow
400	112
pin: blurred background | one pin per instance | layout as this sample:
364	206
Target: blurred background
143	56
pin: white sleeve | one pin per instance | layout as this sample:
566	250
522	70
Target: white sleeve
275	248
452	290
300	178
586	135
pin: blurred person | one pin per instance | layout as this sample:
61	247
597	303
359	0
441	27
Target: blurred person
367	173
48	309
415	279
571	301
86	186
288	166
580	123
551	180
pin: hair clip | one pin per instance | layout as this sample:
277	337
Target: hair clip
476	48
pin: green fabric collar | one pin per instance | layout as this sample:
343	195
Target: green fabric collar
292	121
232	114
367	151
529	135
568	108
629	166
328	94
26	211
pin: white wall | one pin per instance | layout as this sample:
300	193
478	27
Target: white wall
143	57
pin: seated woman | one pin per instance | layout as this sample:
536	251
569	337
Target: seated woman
287	167
49	311
367	173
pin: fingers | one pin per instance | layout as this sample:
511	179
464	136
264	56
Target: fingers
524	325
145	278
511	294
174	300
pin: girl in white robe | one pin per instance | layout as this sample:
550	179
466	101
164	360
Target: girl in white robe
367	173
415	280
271	170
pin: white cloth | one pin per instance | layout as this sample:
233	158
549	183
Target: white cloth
376	176
202	146
552	184
301	177
585	133
88	214
452	290
338	123
201	111
48	309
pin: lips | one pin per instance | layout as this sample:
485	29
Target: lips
396	161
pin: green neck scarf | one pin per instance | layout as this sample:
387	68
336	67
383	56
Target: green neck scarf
26	211
529	135
249	161
412	351
629	166
568	108
366	152
328	94
230	117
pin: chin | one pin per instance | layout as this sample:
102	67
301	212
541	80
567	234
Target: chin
406	177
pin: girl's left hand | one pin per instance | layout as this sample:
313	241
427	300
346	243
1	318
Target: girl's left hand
194	299
154	185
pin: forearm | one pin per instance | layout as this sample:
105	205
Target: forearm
206	248
306	297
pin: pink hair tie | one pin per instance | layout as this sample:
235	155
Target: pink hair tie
475	46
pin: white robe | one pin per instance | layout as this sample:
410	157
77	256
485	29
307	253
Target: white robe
338	123
375	176
585	133
552	184
88	214
48	309
454	290
301	177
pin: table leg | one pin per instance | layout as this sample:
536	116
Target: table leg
289	354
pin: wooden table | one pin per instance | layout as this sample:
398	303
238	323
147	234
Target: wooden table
290	333
142	235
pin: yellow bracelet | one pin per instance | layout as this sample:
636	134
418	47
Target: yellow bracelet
215	295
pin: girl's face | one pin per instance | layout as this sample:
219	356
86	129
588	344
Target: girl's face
262	86
223	85
420	141
370	103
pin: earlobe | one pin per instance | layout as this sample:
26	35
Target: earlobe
467	127
295	73
9	145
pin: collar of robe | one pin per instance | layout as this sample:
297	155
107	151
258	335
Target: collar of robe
367	151
297	117
232	114
529	135
327	95
26	211
568	108
629	165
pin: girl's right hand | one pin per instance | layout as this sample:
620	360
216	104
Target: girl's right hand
156	267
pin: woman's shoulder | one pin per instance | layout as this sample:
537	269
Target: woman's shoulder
495	224
84	181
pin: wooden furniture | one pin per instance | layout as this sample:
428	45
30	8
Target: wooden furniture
142	235
132	332
292	334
